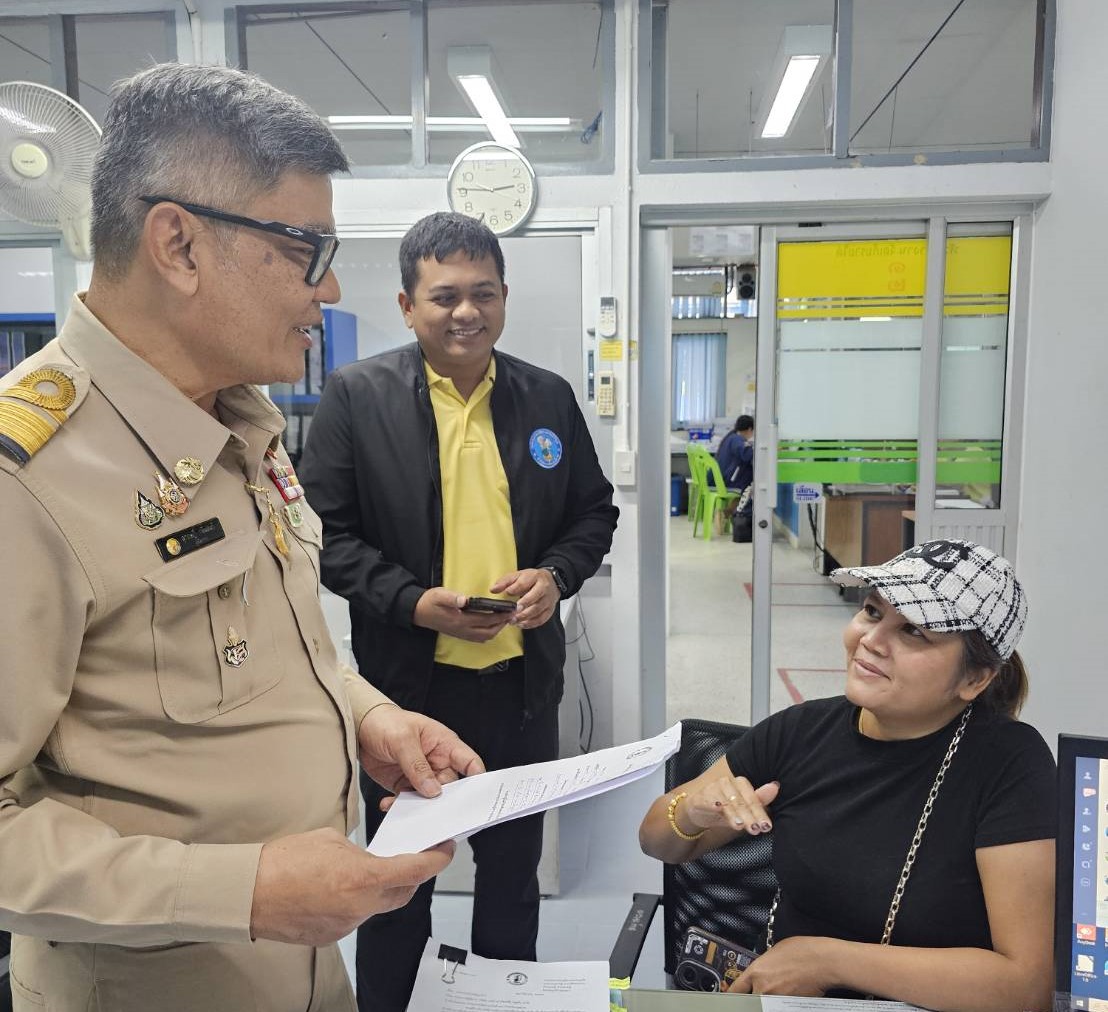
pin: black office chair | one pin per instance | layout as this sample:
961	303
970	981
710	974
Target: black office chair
727	891
5	982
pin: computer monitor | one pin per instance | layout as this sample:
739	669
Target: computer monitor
1081	892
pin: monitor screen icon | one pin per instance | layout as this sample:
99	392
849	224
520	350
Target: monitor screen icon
1086	932
1084	964
1088	792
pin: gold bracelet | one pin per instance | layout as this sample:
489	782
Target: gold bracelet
671	811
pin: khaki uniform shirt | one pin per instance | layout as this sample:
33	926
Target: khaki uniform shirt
141	770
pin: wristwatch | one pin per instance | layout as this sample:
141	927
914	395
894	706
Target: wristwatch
559	579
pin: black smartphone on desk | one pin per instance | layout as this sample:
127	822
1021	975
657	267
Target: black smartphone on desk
488	605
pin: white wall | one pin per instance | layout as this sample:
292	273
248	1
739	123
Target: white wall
26	279
1062	551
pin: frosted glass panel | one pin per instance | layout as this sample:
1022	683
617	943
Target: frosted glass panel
849	379
972	402
971	384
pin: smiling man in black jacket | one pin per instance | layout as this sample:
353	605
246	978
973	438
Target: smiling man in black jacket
445	472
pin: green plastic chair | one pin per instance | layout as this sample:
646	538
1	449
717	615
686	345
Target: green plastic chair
696	479
710	495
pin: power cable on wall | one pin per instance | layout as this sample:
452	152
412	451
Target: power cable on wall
583	742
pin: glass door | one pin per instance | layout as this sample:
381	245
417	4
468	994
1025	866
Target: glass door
883	374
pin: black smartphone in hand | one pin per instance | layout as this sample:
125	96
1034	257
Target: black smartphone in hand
488	605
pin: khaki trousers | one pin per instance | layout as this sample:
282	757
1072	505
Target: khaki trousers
190	977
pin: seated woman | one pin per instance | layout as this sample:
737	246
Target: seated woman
914	817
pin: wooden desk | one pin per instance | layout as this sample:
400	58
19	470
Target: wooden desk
863	529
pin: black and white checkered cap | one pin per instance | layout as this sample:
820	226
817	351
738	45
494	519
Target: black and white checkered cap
950	586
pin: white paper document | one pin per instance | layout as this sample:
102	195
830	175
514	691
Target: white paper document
444	983
777	1003
415	823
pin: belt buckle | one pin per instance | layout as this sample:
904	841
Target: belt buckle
494	669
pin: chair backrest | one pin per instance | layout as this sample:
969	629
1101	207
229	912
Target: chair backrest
712	474
697	464
729	890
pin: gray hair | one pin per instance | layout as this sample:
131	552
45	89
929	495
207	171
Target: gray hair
206	135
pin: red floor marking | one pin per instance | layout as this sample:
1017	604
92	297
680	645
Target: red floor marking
794	692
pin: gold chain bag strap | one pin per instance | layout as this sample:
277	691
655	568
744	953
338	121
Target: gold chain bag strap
898	892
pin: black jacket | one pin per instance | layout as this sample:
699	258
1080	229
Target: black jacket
371	470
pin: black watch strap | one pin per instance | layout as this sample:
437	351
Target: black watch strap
559	579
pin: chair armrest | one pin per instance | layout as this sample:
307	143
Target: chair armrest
629	943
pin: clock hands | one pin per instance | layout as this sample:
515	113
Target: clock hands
491	189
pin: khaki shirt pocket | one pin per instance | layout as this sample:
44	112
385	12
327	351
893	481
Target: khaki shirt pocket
199	615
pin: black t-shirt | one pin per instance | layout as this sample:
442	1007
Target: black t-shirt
849	806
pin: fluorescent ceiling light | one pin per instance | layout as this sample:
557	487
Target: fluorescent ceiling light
800	56
798	75
456	124
471	67
488	107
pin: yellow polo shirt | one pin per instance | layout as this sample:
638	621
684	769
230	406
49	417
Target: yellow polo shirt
479	544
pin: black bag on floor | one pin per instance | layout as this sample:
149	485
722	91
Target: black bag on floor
742	527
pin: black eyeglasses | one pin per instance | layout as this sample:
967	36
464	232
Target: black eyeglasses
325	246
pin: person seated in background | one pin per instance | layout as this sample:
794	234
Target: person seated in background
914	817
735	457
735	454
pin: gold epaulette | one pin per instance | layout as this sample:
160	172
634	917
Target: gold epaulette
34	408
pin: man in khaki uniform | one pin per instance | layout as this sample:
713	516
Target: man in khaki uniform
178	741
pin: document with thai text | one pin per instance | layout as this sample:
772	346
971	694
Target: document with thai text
415	823
453	980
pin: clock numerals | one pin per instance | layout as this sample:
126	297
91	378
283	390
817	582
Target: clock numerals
493	184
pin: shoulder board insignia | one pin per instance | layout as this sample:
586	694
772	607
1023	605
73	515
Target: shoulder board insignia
33	409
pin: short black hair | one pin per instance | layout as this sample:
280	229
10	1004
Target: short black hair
744	422
249	132
441	234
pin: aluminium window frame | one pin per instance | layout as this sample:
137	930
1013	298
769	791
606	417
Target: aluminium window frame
652	118
419	165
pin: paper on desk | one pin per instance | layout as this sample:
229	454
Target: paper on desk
506	985
778	1003
415	823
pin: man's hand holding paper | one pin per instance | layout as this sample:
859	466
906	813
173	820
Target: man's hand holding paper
465	806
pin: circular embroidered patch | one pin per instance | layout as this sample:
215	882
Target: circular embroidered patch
546	448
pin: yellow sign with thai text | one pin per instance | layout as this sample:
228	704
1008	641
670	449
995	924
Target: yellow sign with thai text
887	277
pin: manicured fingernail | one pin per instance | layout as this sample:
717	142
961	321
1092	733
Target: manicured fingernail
766	827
